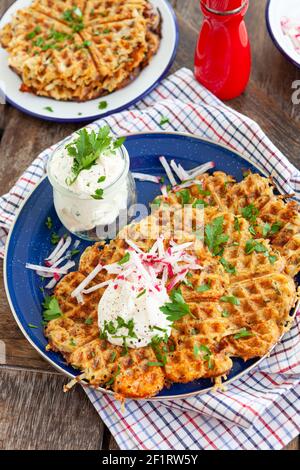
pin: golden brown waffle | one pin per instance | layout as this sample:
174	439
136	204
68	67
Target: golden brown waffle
239	301
80	50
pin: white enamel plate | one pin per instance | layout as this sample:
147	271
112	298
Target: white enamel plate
88	111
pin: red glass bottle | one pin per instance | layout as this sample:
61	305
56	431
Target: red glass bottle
223	56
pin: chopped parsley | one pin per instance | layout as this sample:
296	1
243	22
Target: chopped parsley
185	196
202	191
102	105
204	287
164	120
237	224
141	294
88	147
157	346
98	194
74	252
51	308
207	356
200	202
230	299
253	245
155	364
54	238
101	179
74	18
125	259
225	314
229	268
250	213
48	108
89	321
33	33
270	230
214	236
115	375
251	230
49	223
243	333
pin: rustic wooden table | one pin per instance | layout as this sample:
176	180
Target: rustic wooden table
34	411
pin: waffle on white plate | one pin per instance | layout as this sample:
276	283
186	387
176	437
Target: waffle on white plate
80	50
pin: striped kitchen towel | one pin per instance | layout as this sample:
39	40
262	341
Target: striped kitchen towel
259	410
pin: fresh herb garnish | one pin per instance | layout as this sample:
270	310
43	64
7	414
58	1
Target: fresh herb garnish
214	236
101	179
272	258
254	245
230	299
32	326
141	294
48	108
243	333
185	196
157	346
102	105
125	259
237	224
98	194
225	314
155	364
229	268
51	308
75	19
72	342
33	33
54	238
88	147
204	287
250	213
113	356
49	223
89	321
251	230
74	252
164	120
200	202
111	381
271	230
177	308
208	354
202	191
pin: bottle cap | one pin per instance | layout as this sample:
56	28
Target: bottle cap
224	6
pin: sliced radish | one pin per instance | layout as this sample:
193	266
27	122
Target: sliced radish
76	292
146	177
168	170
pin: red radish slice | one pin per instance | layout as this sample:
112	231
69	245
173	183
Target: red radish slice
76	292
145	177
96	287
168	170
199	170
61	251
45	269
56	249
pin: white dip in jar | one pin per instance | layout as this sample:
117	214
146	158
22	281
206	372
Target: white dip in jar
91	182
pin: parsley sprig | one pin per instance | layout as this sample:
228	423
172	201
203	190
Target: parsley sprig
177	308
214	237
51	309
88	147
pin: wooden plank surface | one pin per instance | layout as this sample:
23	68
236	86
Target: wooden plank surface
31	390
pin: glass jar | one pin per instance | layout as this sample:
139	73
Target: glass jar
95	219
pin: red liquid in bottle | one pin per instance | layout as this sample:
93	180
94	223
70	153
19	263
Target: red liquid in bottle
223	57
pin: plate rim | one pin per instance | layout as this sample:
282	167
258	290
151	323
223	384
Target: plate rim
72	376
115	110
274	39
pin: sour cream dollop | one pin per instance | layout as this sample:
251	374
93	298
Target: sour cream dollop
129	301
74	203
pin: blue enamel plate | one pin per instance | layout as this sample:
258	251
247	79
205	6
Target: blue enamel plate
29	239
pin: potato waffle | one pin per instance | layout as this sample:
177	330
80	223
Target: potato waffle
77	50
239	301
